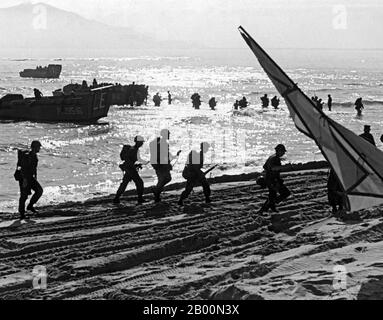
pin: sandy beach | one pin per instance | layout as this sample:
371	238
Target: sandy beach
224	250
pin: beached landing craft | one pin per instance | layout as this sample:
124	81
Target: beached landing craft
133	94
86	108
53	71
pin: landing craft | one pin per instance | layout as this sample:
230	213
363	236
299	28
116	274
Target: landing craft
87	108
53	71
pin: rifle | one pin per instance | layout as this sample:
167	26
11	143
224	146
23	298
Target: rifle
210	170
178	158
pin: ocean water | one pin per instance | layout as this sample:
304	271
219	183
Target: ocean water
78	162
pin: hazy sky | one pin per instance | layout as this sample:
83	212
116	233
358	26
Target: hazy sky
277	23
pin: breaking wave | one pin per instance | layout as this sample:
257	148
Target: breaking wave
349	104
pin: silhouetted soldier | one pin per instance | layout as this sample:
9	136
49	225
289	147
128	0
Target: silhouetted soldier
236	105
196	100
161	158
84	85
320	104
359	106
157	100
169	98
334	193
194	175
94	83
329	102
130	155
265	101
37	93
212	103
275	102
26	175
243	104
367	135
273	180
146	95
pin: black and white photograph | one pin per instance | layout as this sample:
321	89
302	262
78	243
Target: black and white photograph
202	150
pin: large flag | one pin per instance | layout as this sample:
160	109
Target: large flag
357	163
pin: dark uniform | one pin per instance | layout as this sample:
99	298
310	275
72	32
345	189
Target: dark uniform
274	183
28	182
160	159
334	192
194	176
131	174
329	103
368	137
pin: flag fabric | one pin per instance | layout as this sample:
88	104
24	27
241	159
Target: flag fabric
357	163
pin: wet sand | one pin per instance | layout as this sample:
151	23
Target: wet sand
224	250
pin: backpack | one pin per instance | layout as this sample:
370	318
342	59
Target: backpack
23	161
124	154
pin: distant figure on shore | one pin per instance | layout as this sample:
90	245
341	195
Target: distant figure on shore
236	105
95	83
160	159
130	167
146	95
84	85
334	193
169	98
320	104
157	100
359	106
26	175
273	180
275	102
329	102
265	101
37	93
196	100
194	175
212	103
243	104
366	135
315	99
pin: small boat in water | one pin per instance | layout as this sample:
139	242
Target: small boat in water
53	71
86	108
121	95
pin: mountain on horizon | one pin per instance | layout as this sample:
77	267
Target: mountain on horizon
41	30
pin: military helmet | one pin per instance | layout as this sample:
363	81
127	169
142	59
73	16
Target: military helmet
35	144
280	147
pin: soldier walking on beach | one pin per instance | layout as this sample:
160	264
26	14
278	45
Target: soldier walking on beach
273	180
194	175
367	135
161	158
26	175
169	98
130	155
